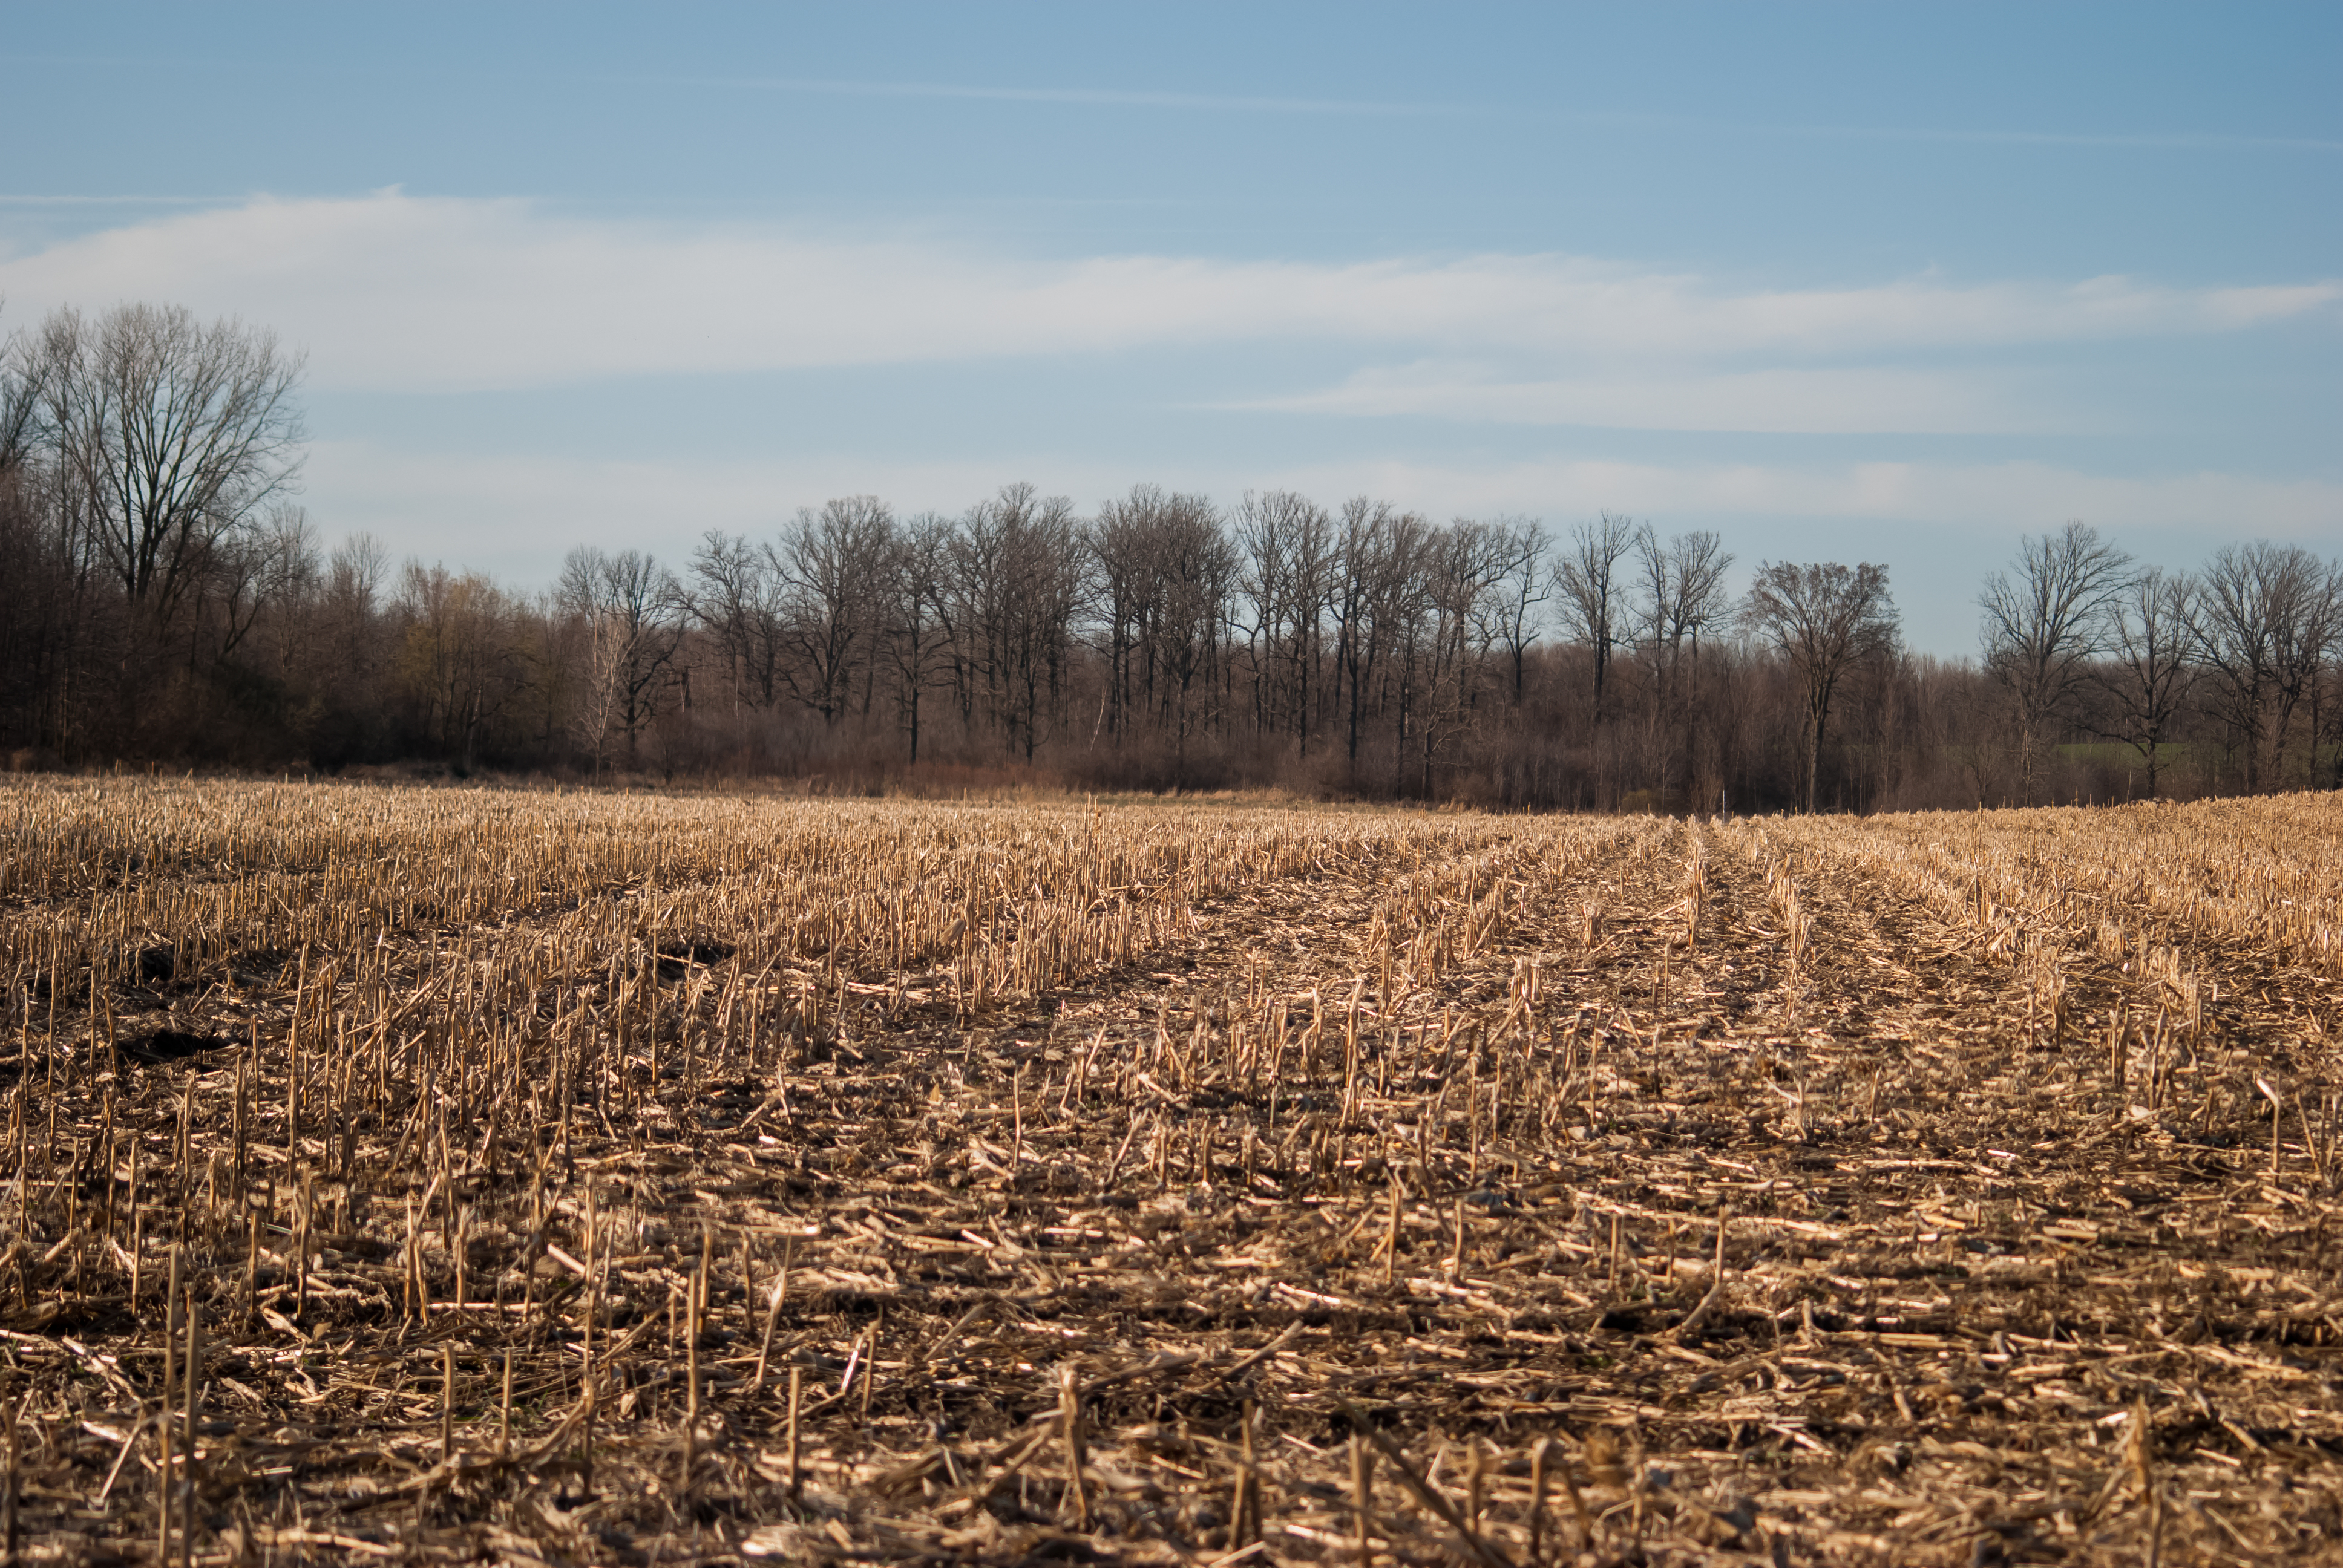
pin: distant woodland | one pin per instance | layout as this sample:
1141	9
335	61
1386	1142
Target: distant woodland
164	599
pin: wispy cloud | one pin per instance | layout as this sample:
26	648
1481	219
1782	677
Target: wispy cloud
1968	136
1845	400
1090	97
8	199
1126	98
404	292
2144	141
1500	109
1488	109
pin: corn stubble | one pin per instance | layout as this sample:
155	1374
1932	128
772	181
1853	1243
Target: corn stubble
578	1178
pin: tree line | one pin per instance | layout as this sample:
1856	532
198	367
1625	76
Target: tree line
168	599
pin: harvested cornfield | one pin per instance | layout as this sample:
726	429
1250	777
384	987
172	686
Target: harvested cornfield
573	1178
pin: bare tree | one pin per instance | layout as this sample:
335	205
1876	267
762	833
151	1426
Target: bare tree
736	593
269	568
1463	566
2044	624
459	657
1824	620
348	649
1313	561
1586	581
25	370
2327	713
830	563
912	624
1679	598
1363	547
2310	632
1524	585
173	435
2150	665
1163	573
55	627
1378	608
1287	546
1398	616
1017	578
1687	601
2267	616
1119	542
355	573
632	615
1195	572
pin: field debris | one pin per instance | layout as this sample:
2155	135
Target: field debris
564	1178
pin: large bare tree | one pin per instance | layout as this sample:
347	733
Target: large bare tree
2045	620
1825	619
172	435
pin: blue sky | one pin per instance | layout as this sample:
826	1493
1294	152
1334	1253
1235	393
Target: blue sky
1876	282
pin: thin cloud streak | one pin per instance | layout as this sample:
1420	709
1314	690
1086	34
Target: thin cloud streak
212	201
2152	141
1857	400
1084	98
1133	98
2142	141
1212	102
